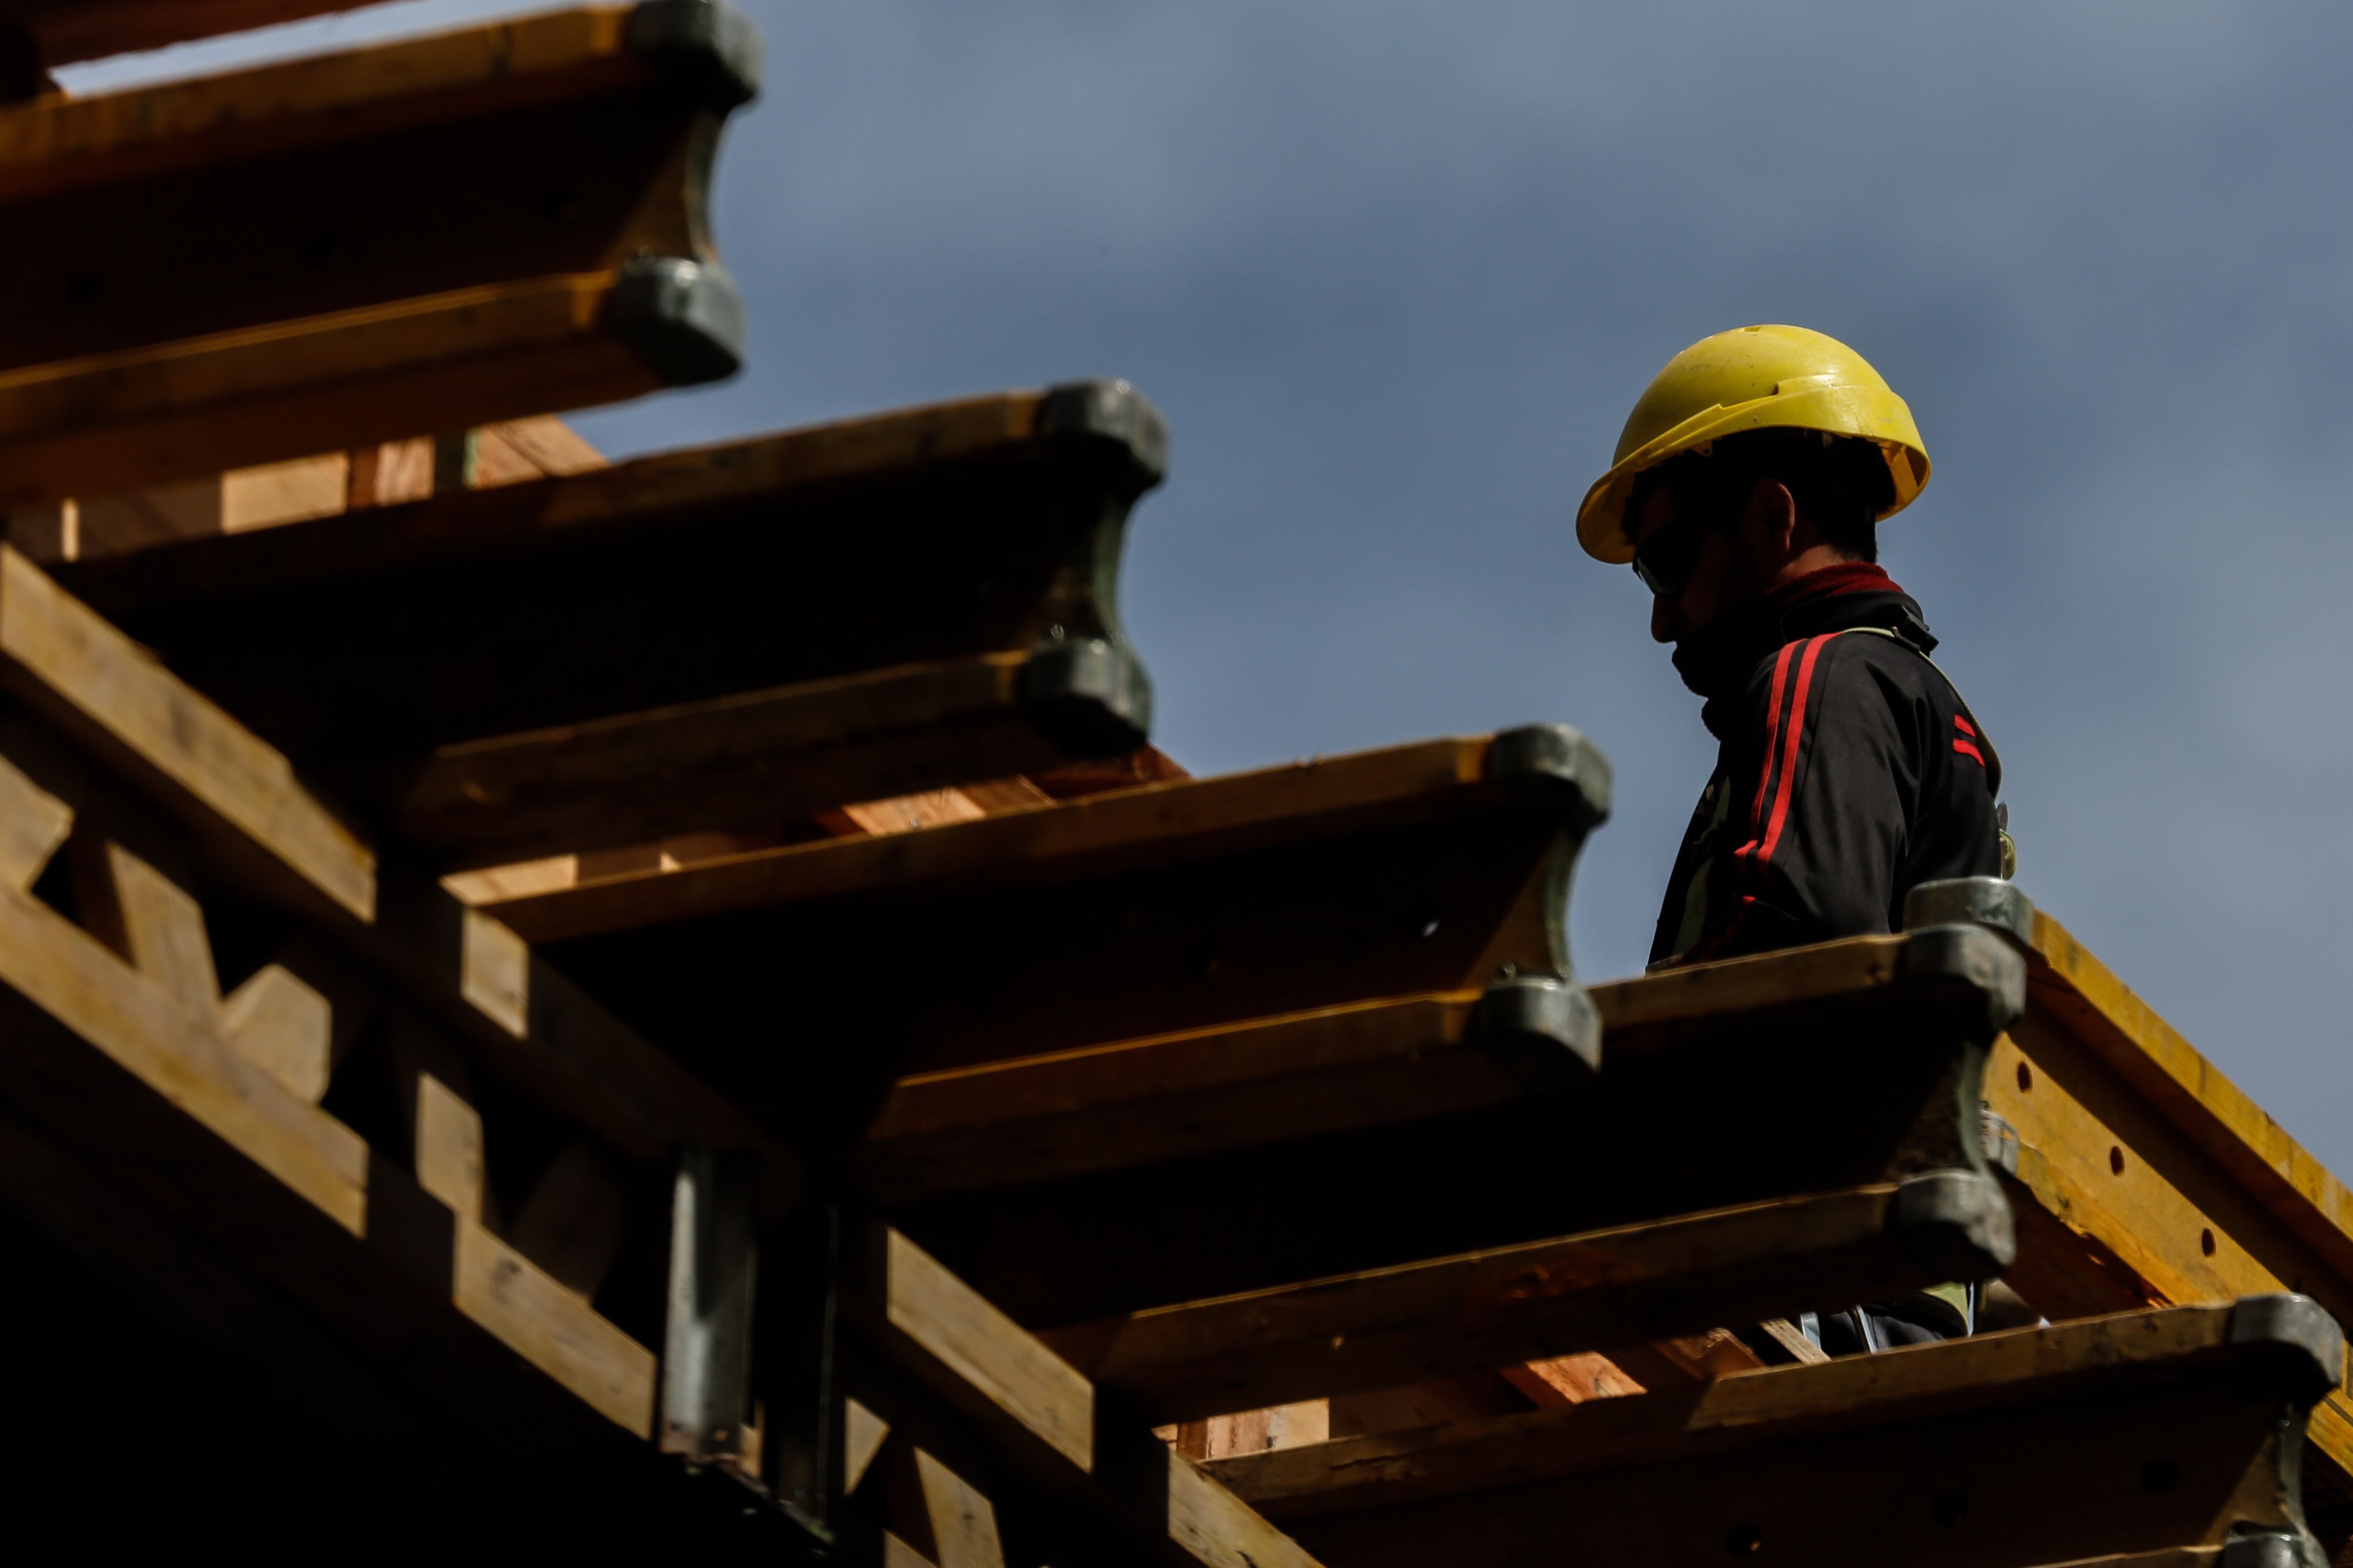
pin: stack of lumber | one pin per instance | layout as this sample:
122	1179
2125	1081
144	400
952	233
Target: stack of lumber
672	1003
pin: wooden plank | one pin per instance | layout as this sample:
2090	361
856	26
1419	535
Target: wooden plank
1155	826
2101	1162
674	580
361	314
541	605
150	1319
1053	927
1690	1113
78	671
1037	1416
1168	1096
736	764
72	30
2073	988
257	827
1442	1317
2142	1174
139	1049
297	490
2139	1434
1165	1097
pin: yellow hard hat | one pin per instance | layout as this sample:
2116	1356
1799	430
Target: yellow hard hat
1755	378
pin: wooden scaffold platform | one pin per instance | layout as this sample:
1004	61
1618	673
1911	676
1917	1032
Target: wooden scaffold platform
518	1036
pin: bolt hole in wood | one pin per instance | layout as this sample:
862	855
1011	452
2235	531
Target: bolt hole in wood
1744	1541
2115	1159
2206	1242
2025	1078
1946	1507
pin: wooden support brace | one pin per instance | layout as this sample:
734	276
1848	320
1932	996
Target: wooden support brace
253	825
1039	1417
137	1065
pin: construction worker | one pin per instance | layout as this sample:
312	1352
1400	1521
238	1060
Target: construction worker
1746	493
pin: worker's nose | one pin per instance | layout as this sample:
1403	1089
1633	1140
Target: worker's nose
1666	619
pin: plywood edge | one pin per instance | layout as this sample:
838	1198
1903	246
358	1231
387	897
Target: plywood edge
2189	1091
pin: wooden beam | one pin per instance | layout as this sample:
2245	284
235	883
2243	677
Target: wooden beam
2129	1183
141	1075
1770	1077
253	823
1417	1322
656	585
2134	1435
1038	1416
1178	821
359	314
1058	926
752	760
1170	1096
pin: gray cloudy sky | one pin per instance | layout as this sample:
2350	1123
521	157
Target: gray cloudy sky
1396	271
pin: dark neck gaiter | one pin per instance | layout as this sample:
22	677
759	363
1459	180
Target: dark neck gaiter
1716	661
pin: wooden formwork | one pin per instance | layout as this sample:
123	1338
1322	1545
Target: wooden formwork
527	996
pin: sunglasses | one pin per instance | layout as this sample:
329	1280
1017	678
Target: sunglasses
1664	560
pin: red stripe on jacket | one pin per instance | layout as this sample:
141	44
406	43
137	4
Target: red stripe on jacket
1790	744
1772	736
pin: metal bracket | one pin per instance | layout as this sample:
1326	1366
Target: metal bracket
1110	411
707	1343
706	41
683	318
1543	1030
1957	1224
1976	958
2299	1333
2272	1549
2000	1140
1987	902
1089	696
1556	752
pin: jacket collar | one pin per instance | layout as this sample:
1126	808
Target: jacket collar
1719	662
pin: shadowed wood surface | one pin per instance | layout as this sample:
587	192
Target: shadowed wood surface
248	821
683	643
1842	1085
741	762
1444	1317
1058	926
404	292
2141	1434
1003	1122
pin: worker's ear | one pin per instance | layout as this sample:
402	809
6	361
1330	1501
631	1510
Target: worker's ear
1770	520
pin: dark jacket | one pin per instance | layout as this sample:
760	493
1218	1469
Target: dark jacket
1849	771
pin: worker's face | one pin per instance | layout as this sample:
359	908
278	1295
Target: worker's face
1722	577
